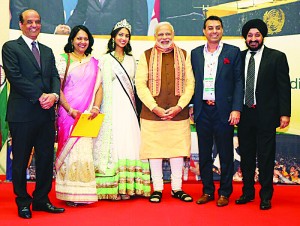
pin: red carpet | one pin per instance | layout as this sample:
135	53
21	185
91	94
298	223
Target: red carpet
170	212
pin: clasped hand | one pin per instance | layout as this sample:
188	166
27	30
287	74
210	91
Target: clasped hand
167	114
47	100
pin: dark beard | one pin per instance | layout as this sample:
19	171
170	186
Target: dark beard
255	49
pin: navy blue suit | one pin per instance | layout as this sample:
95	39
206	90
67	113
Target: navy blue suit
212	121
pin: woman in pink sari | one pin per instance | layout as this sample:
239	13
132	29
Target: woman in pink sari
81	91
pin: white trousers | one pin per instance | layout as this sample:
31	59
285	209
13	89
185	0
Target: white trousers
157	173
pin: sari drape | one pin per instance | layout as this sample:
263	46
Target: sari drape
79	93
75	179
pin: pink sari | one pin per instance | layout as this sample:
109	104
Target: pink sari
79	92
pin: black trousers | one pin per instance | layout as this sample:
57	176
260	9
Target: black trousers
38	134
257	144
209	129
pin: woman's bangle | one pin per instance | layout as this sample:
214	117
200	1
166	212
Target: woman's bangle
70	111
96	107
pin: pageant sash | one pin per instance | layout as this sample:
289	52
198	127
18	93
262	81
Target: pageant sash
125	81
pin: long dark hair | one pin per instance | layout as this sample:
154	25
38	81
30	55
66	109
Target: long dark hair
69	46
111	47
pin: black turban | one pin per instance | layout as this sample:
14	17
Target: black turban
256	23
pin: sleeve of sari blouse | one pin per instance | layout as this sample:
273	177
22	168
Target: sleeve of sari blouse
99	79
100	67
189	84
141	80
61	65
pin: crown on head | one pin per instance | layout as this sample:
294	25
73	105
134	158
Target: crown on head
123	23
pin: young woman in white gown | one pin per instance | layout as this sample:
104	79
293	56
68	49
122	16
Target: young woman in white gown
119	171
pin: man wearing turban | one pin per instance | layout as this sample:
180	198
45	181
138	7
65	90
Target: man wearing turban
267	105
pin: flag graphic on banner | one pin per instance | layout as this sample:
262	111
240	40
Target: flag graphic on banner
155	19
3	103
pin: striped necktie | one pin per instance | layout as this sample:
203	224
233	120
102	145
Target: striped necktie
249	93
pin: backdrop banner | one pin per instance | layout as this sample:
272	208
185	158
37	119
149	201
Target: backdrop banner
282	19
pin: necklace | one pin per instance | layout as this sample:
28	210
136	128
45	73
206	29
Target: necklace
78	56
119	58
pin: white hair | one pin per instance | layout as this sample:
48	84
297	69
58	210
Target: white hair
160	24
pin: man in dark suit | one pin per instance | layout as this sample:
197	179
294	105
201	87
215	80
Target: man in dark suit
52	14
35	85
267	106
100	16
218	101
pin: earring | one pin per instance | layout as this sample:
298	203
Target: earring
113	43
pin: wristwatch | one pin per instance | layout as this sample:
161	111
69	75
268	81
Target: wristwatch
56	97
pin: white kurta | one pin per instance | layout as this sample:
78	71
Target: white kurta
164	139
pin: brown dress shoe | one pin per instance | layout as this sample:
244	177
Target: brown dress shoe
205	198
222	201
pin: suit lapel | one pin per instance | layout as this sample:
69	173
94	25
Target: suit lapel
201	62
42	54
28	52
221	60
243	55
263	65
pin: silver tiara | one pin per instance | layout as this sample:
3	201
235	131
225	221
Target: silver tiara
123	23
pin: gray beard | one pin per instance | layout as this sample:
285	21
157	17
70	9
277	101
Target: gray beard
257	48
165	47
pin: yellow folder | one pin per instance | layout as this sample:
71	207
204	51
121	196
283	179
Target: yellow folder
85	127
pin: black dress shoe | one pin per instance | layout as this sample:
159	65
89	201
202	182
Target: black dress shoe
24	212
47	207
244	199
265	205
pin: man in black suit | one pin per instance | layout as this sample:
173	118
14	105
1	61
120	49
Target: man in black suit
35	85
100	16
267	106
218	101
52	14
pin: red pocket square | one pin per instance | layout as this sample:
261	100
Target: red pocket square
226	61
